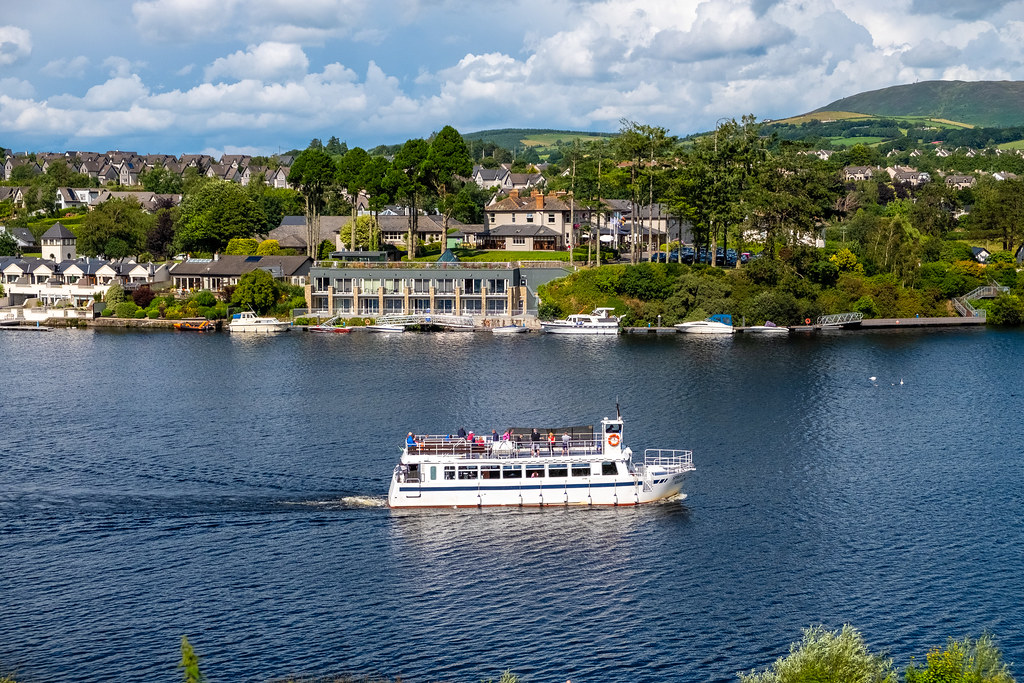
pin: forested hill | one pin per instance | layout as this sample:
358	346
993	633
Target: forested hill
510	138
978	103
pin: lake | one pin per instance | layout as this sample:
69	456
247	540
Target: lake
231	489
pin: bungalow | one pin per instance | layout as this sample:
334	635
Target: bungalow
486	178
23	237
222	271
980	254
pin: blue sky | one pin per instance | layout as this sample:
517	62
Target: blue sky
256	76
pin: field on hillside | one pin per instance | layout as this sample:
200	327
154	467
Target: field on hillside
850	142
822	116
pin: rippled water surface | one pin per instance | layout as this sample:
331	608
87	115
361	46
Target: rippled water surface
232	489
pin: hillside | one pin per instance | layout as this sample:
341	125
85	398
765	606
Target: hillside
979	103
510	138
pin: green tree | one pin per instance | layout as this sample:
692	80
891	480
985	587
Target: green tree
189	663
116	228
158	179
160	238
257	290
335	147
825	656
8	245
374	173
963	661
115	295
242	246
313	174
999	207
407	180
350	176
447	159
268	248
216	213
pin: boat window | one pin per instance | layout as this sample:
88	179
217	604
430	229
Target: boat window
534	471
558	470
581	469
433	473
490	471
449	471
609	469
511	472
612	429
469	472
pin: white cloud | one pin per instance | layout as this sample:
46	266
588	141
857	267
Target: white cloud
267	62
15	44
120	67
67	68
183	20
13	87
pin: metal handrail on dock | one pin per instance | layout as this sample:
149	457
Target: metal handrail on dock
439	319
836	319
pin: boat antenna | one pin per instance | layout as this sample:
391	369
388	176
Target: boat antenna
618	413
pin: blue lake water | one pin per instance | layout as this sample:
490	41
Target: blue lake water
231	489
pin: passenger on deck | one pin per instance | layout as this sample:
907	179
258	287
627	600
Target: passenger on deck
565	443
551	443
462	432
507	435
494	435
535	439
410	442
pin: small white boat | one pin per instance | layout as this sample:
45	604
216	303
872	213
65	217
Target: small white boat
248	321
716	324
385	328
509	329
330	326
768	328
600	321
578	466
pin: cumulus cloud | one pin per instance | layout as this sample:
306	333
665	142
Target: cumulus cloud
929	54
958	9
120	67
183	20
66	68
268	61
15	44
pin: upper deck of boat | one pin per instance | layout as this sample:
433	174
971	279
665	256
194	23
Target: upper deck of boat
432	448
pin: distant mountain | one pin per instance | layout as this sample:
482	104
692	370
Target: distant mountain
978	103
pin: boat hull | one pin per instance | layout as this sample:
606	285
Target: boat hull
574	329
603	491
254	328
711	328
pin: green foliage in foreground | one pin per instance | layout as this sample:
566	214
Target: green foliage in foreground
824	656
189	663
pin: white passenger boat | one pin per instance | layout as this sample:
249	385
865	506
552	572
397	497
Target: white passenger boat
587	468
716	324
600	321
248	321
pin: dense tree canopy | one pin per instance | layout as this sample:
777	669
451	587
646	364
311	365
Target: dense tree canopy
215	213
115	229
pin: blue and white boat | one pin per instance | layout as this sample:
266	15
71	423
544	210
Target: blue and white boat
580	466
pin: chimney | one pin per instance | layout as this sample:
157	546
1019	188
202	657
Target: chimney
540	200
513	193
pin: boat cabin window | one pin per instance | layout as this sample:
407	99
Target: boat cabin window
612	429
511	472
449	471
534	471
469	472
558	470
609	469
581	469
490	471
433	473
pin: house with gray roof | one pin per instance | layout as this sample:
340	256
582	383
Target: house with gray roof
58	243
222	271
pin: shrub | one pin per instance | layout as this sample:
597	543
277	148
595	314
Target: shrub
268	248
866	305
1006	310
824	656
153	313
204	298
115	295
963	661
242	246
143	296
125	309
303	321
139	314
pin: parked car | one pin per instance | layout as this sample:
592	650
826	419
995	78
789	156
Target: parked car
745	256
687	256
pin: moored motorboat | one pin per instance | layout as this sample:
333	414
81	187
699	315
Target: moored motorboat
567	466
769	328
330	326
510	330
716	324
383	327
599	321
248	321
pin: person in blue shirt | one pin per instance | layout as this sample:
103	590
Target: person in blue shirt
410	441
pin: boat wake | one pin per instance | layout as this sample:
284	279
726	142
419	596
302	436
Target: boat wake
347	502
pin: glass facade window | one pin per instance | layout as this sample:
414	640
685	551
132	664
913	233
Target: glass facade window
368	306
497	286
343	285
446	286
444	305
394	305
471	307
471	286
420	305
496	307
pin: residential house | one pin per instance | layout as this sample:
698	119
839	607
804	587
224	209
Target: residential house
250	173
854	173
1004	175
76	197
23	237
221	271
291	233
657	220
224	172
960	182
536	210
980	254
526	181
150	201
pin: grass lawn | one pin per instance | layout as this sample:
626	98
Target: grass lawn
862	140
1015	144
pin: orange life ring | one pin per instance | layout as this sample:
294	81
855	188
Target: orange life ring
367	321
807	321
613	440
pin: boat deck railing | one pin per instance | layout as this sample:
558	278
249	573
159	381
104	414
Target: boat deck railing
457	447
669	459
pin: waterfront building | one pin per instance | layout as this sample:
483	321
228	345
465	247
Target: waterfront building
222	271
480	290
